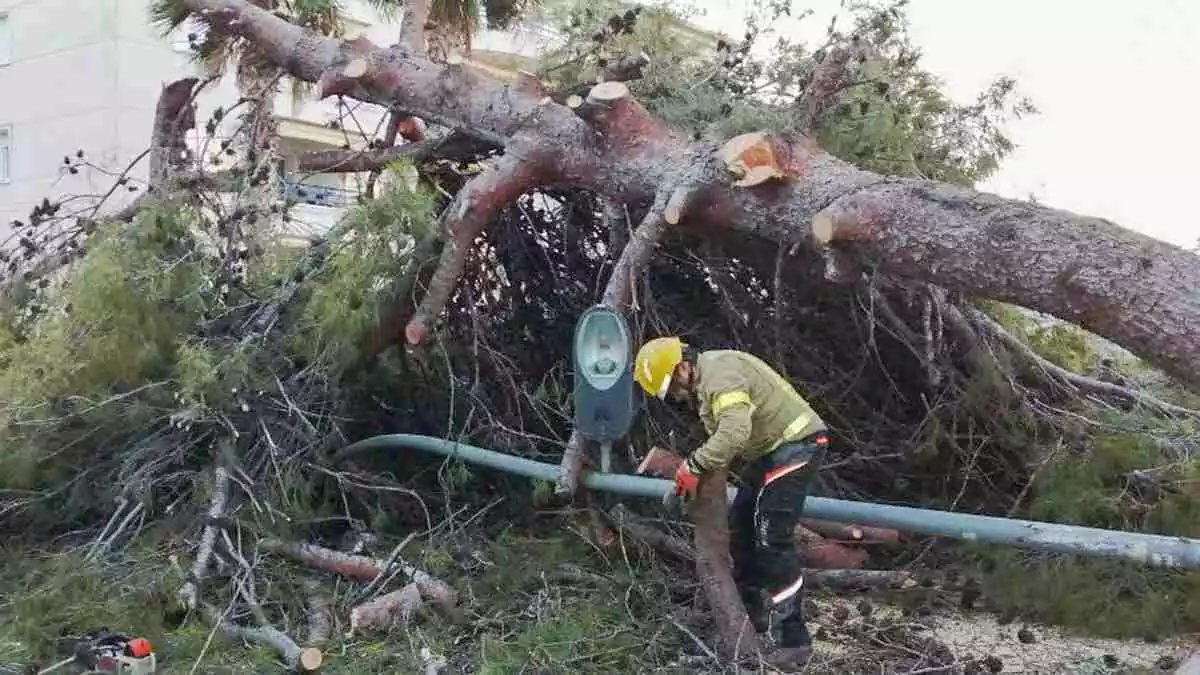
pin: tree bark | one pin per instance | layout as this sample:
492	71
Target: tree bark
174	116
1127	287
736	638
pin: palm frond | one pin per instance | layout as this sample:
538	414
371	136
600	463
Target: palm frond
388	10
502	14
323	16
460	16
168	15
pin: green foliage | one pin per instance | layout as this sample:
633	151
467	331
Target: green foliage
1133	478
570	627
893	118
357	280
548	602
1127	481
1106	598
142	339
113	331
1132	473
1063	344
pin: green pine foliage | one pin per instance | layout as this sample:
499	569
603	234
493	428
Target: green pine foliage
137	341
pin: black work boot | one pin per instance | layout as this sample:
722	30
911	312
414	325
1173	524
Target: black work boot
795	644
793	632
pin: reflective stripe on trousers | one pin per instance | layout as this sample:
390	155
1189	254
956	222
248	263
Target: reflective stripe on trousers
778	505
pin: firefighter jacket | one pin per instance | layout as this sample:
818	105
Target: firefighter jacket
748	410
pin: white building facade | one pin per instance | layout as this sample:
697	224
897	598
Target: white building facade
86	75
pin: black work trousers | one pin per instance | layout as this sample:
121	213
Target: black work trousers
763	518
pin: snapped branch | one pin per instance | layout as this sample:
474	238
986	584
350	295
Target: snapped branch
453	146
464	219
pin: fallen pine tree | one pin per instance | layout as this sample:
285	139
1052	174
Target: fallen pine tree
845	268
774	186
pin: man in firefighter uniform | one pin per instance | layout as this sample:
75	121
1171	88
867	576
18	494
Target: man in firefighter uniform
767	435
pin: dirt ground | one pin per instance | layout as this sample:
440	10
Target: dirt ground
976	642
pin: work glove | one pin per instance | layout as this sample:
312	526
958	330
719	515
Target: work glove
687	481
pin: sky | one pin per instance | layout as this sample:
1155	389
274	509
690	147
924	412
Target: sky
1118	135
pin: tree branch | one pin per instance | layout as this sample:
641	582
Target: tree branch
361	568
189	592
297	659
482	197
829	79
174	116
1071	379
455	145
626	69
1119	284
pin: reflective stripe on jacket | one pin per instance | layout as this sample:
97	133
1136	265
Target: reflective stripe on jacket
747	409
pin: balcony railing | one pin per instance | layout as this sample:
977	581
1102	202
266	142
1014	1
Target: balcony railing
316	195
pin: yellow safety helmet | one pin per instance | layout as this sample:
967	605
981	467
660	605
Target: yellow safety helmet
655	364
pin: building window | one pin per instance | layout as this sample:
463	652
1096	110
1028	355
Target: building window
5	39
6	154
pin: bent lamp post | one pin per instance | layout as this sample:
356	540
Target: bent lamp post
602	360
1147	549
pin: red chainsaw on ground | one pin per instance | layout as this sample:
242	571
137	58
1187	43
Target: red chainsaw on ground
106	653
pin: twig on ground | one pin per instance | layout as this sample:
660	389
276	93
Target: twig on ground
431	664
189	592
304	660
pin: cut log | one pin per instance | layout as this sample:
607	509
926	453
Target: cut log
735	634
814	576
751	157
296	658
361	568
385	611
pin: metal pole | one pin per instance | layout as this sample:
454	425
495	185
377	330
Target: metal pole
1150	549
606	457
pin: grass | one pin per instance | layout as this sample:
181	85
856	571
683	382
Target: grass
532	605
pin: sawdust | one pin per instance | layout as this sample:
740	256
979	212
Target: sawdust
893	642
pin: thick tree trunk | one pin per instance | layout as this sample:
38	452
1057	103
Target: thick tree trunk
1130	288
174	116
